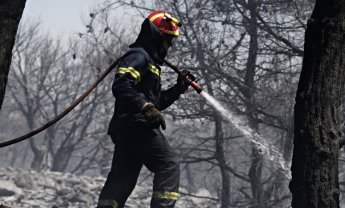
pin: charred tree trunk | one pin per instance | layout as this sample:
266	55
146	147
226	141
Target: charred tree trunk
317	133
10	14
65	155
220	156
219	137
38	150
255	170
221	159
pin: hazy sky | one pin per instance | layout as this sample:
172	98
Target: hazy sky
60	17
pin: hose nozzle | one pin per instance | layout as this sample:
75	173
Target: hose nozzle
190	78
196	87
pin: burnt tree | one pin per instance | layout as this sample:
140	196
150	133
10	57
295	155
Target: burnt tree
317	134
10	14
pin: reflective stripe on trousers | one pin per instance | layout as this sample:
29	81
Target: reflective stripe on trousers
107	203
165	195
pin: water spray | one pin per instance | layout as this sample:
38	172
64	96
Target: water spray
259	142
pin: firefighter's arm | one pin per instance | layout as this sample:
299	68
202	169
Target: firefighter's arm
168	97
129	73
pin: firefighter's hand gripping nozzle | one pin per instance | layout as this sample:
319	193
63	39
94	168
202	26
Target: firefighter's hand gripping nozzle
188	78
191	80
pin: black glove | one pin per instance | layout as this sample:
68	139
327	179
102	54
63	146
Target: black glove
183	81
153	117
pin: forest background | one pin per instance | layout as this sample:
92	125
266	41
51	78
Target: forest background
246	54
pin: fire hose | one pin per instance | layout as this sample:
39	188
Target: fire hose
82	97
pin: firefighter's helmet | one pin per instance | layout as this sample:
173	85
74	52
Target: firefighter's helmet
166	23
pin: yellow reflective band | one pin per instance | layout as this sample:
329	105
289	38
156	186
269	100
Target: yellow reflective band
176	21
154	17
154	70
107	202
135	74
165	195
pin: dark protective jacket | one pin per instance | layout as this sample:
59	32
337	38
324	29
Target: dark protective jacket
138	80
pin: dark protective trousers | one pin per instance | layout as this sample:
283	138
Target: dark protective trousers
133	149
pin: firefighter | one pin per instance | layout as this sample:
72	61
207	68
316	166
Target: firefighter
134	127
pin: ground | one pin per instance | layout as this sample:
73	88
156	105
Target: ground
29	189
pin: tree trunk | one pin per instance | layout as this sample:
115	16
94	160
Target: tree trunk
10	14
219	137
38	149
221	159
255	170
65	155
38	159
317	133
220	155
